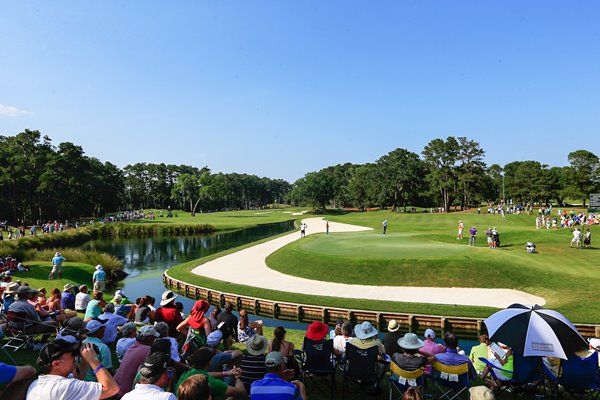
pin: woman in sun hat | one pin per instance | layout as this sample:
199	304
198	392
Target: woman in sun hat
168	313
409	359
196	324
317	332
366	338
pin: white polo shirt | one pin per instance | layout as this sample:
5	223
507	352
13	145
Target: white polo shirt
56	387
148	392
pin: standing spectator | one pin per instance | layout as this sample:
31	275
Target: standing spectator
82	299
153	377
472	236
461	227
390	339
67	300
99	279
431	347
57	261
94	330
134	357
384	224
231	322
113	321
274	384
168	313
57	361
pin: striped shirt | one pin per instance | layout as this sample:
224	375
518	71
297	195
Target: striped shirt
253	369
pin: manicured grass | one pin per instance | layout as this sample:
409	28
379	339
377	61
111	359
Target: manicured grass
73	273
422	250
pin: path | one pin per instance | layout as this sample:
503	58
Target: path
248	267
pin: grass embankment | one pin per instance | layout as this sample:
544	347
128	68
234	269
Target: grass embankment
75	273
422	250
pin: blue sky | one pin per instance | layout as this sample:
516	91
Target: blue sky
282	88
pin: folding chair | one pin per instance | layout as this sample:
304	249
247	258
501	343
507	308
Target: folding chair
527	377
401	380
577	376
15	331
361	370
451	381
317	364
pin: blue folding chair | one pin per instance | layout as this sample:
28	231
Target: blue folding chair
317	363
527	377
577	376
401	380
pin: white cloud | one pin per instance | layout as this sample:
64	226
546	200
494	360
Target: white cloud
11	111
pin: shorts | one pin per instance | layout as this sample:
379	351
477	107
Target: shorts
57	269
99	286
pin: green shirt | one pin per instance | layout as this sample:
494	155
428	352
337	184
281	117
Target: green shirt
217	386
479	351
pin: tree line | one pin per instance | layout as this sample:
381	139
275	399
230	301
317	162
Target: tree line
40	181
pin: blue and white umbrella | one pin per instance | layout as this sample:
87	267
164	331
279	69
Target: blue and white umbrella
535	331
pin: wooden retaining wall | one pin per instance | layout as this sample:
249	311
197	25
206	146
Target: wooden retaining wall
470	327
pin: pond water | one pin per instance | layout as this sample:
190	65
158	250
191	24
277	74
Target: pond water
145	260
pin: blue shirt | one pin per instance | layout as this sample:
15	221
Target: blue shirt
99	275
67	301
93	309
7	373
58	260
272	387
451	357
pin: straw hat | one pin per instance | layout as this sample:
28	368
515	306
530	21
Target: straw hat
167	297
393	325
12	288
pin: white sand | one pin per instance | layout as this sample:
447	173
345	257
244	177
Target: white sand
247	267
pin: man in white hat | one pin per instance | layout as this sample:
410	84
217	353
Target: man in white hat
67	299
390	339
99	279
57	261
168	313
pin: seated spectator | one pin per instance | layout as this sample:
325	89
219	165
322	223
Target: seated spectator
194	388
67	300
480	351
41	297
128	333
409	358
274	384
124	299
153	377
253	364
337	330
390	339
168	313
431	347
163	330
124	310
9	294
451	355
214	314
231	323
94	330
246	329
82	299
365	338
16	379
285	348
55	307
134	357
94	307
223	361
113	321
32	323
143	313
339	342
57	362
504	362
196	327
200	362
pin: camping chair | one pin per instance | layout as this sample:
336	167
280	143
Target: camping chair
317	364
401	380
526	378
451	381
578	376
16	332
361	370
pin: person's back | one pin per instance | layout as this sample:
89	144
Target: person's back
133	358
479	351
452	357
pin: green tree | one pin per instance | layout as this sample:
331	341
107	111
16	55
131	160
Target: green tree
583	176
441	158
400	172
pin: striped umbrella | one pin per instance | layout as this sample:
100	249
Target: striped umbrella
535	331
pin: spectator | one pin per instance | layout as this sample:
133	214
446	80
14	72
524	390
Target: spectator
94	307
94	330
246	329
9	295
253	364
198	324
285	348
129	332
99	279
481	350
337	330
451	355
163	330
194	388
168	313
231	322
57	261
431	347
390	339
82	299
274	384
153	377
200	362
214	314
67	300
365	338
339	342
57	361
134	357
16	379
32	323
143	313
113	321
55	308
